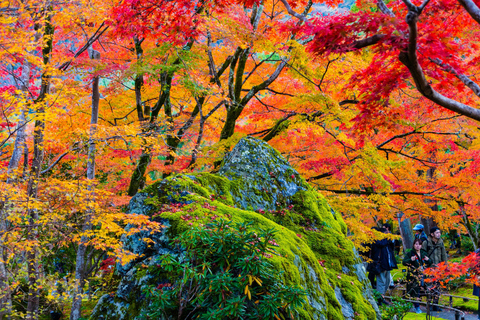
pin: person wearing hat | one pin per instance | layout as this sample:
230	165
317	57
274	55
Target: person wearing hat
419	233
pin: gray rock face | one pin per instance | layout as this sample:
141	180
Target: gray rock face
319	302
347	309
263	172
253	177
361	273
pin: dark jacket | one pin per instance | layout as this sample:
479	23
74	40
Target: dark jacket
476	289
415	270
435	251
382	251
422	236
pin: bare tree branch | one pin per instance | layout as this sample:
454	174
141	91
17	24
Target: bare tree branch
384	9
471	8
50	167
90	41
466	80
293	13
409	58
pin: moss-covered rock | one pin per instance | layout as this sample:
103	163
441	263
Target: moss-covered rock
255	183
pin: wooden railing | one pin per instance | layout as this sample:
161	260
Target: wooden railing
459	314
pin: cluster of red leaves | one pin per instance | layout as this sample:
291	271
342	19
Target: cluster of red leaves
446	272
108	265
445	33
172	21
338	33
334	164
4	125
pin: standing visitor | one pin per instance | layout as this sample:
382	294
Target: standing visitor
416	260
419	233
397	244
435	249
372	272
383	254
476	289
388	228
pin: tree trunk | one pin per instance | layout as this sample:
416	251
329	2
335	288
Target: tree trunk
32	261
34	179
471	229
428	223
139	81
138	176
229	127
405	227
12	176
80	266
20	145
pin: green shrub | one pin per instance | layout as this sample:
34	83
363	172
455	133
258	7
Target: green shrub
467	244
223	274
398	307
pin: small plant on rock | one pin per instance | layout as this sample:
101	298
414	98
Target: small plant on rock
224	274
397	309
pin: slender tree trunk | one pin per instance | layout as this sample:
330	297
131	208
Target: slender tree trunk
20	144
5	292
34	177
32	190
138	175
471	229
80	267
12	176
139	81
5	296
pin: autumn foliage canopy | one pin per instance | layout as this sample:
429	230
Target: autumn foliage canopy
375	103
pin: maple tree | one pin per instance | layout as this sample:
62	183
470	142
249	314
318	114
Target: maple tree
36	206
423	42
466	270
414	135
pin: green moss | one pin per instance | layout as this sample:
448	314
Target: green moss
256	184
415	316
470	305
306	233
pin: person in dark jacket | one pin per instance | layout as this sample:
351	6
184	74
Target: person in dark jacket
419	233
416	260
369	254
476	289
388	228
397	244
382	253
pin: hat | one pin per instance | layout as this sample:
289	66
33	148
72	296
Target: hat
418	227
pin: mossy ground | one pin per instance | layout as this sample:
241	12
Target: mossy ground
469	305
416	316
305	228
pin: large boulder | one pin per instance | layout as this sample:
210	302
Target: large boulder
255	184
